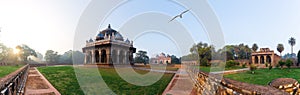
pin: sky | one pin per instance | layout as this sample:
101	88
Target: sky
51	24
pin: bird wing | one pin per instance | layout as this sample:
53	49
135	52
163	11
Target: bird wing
185	11
174	18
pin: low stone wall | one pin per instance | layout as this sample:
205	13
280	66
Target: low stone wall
14	83
206	84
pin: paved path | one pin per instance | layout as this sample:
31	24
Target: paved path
37	84
181	84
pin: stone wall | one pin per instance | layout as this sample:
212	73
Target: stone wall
206	84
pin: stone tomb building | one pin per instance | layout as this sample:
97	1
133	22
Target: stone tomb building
161	59
265	55
108	47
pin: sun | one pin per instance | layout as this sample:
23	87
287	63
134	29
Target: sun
16	51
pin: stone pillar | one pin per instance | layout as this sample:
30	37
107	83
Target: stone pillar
108	58
272	59
265	59
258	59
93	58
99	56
253	59
85	58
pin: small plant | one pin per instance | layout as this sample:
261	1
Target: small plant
231	63
252	68
281	63
277	66
288	63
244	65
266	64
270	67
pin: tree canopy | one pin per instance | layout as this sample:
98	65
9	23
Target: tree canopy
141	57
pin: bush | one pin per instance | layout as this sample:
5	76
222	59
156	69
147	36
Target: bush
266	64
281	63
231	63
277	66
244	65
252	68
288	63
270	67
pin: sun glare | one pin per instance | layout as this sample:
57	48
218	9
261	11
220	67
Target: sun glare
16	51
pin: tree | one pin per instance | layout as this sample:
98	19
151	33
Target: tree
25	51
288	63
175	60
280	48
7	55
254	47
292	42
51	56
281	63
204	52
141	57
298	57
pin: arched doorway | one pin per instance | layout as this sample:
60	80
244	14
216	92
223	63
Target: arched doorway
262	60
97	56
269	60
256	59
121	57
103	56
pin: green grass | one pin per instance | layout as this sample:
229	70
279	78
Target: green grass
5	70
264	76
64	79
208	69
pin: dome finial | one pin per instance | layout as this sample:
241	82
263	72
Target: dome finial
109	26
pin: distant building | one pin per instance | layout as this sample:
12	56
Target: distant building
108	47
265	55
161	59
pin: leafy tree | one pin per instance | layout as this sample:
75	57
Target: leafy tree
51	56
141	57
281	63
288	63
7	55
254	47
175	60
280	48
298	57
292	42
204	52
25	52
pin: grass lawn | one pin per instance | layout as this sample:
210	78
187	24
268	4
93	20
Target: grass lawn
5	70
207	69
264	76
64	79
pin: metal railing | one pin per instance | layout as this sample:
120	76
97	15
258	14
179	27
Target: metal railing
14	83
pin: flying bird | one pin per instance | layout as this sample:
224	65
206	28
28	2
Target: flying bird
180	15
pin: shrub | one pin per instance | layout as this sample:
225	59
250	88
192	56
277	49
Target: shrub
270	67
288	63
266	64
244	65
277	66
281	63
231	63
253	68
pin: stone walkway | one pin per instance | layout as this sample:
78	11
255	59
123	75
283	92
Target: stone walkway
181	84
37	84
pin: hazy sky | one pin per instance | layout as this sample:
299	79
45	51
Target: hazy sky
51	24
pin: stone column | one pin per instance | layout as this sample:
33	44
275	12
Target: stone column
258	59
253	59
99	56
265	59
93	58
272	59
85	58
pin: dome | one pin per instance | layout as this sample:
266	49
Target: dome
91	40
118	36
109	32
